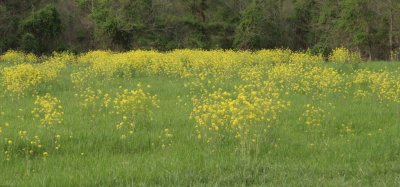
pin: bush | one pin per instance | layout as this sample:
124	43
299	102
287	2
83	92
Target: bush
29	43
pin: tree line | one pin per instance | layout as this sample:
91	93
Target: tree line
371	27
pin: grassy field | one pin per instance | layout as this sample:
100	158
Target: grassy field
326	136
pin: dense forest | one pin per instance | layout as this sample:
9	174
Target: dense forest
371	27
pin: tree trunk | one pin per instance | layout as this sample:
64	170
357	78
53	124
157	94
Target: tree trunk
392	57
370	52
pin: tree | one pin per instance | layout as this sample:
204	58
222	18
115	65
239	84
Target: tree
356	21
257	28
44	25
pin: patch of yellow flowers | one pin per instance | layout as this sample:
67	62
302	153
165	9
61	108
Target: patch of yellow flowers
29	144
133	107
38	140
260	82
94	100
26	76
384	84
18	79
314	115
245	114
300	78
17	57
343	55
166	138
48	110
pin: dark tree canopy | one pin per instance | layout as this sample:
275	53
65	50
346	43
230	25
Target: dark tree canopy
41	26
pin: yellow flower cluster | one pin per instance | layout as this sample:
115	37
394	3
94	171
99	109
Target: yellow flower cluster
306	79
37	140
343	55
63	58
48	110
166	138
236	95
384	84
23	77
80	79
133	107
29	145
314	115
17	57
93	56
245	114
51	67
94	100
19	78
8	148
32	145
219	64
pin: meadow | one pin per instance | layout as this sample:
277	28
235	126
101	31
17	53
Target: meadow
199	118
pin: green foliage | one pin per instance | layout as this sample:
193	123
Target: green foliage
256	29
44	23
42	27
29	43
249	30
114	29
368	26
354	19
124	23
302	19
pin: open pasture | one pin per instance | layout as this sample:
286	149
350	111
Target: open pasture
198	118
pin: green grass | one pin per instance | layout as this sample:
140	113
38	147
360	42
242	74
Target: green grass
93	155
